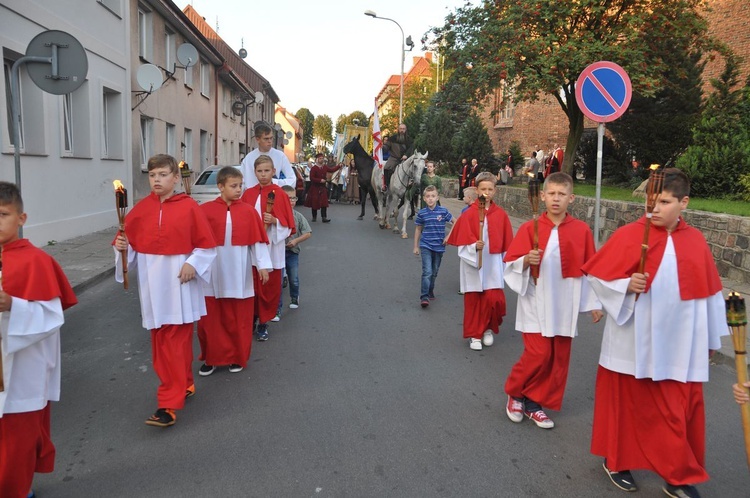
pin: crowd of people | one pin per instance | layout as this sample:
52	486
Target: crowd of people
224	265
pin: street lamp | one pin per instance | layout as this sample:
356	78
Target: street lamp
404	42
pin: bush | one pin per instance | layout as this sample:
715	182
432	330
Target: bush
616	169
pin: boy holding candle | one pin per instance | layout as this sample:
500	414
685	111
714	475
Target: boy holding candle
169	244
547	322
273	205
481	249
662	326
33	294
226	332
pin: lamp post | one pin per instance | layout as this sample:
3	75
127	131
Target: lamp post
403	56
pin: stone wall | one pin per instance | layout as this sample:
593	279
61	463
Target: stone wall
728	236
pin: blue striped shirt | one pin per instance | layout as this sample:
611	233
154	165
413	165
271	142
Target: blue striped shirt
433	223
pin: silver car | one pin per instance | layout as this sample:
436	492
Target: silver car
205	189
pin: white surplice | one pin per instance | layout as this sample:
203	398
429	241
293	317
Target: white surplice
280	163
659	336
164	300
277	234
551	306
232	269
490	276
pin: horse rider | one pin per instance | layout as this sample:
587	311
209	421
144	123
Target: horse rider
400	146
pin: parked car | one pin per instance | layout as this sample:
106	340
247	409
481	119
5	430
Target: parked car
205	189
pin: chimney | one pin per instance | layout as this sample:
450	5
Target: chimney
428	56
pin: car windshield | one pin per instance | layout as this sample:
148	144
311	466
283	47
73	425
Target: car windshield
208	177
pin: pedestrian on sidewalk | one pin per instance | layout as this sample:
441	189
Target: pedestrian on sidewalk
429	241
481	248
302	233
547	322
663	324
226	332
317	196
169	243
279	223
33	295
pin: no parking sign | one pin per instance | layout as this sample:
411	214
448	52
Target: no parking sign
603	91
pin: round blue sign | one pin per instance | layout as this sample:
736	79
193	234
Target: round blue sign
603	91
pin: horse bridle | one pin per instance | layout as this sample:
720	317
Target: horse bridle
410	174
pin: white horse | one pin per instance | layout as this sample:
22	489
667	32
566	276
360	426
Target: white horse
406	173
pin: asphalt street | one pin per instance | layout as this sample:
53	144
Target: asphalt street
359	392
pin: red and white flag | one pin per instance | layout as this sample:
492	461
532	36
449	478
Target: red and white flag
377	140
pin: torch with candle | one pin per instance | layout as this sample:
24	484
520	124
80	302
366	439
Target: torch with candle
121	204
534	201
737	321
653	192
481	203
185	174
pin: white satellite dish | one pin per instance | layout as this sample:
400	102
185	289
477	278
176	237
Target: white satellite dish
149	77
187	55
258	97
288	134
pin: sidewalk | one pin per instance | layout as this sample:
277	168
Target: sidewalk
89	259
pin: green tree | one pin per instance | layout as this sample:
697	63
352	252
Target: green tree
473	142
360	116
340	122
437	135
307	119
720	153
541	47
323	130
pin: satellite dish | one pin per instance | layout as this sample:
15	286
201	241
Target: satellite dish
286	142
70	67
289	134
243	53
277	127
149	77
258	97
187	55
238	108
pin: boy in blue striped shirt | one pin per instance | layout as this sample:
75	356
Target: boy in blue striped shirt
429	241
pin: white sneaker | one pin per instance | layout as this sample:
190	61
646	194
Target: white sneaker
487	338
475	344
277	318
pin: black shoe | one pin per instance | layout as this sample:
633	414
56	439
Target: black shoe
262	332
234	368
326	220
684	491
205	370
164	417
622	479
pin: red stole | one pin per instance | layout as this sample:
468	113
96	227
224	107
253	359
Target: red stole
175	226
620	256
575	237
30	273
247	227
282	207
499	230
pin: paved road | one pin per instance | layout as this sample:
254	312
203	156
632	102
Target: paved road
359	392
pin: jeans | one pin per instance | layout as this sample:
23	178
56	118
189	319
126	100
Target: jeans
292	273
430	266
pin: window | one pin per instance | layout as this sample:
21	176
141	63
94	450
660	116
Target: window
224	151
170	50
204	150
31	109
67	124
187	153
189	76
147	140
503	105
145	33
75	123
227	101
171	145
7	65
205	79
112	135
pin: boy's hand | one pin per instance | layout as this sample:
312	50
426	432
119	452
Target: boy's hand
6	301
480	245
638	283
534	256
269	219
416	251
263	276
187	273
291	243
740	393
596	315
121	243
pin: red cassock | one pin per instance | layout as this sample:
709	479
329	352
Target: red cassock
25	445
483	310
267	295
226	332
541	373
317	195
173	227
642	423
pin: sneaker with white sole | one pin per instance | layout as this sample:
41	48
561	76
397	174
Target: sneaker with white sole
234	368
475	344
514	409
205	370
622	479
295	303
487	338
540	419
683	491
277	318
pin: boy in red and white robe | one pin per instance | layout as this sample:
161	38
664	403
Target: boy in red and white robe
169	243
226	332
648	406
548	322
33	295
279	224
484	299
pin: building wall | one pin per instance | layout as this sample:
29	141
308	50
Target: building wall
728	21
69	193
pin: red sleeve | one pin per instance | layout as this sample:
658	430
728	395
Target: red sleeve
30	273
522	243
